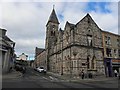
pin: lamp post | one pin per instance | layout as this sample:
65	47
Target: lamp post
62	56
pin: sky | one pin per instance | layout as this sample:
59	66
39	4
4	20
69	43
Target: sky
25	20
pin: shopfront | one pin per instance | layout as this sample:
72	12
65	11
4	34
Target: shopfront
116	64
111	64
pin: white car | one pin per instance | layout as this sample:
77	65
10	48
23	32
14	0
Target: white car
41	69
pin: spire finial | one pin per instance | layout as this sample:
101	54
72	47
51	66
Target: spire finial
53	6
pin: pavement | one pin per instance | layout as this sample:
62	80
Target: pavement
34	79
79	79
14	74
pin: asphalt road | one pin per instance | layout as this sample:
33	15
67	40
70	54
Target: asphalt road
34	79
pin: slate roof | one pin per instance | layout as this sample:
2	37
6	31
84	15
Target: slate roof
38	51
53	17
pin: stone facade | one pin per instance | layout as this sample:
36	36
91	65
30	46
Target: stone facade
41	59
22	57
77	47
7	55
39	56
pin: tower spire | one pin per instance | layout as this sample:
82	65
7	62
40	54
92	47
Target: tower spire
53	17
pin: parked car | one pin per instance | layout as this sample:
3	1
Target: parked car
41	69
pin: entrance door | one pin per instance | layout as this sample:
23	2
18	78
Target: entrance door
109	67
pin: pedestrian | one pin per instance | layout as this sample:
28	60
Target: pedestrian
115	72
82	74
23	71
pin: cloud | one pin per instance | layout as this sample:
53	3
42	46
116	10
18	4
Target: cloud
107	21
25	24
26	21
72	13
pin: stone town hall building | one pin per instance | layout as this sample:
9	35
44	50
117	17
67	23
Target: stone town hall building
77	47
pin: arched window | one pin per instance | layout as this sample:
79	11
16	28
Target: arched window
88	64
52	33
89	39
93	62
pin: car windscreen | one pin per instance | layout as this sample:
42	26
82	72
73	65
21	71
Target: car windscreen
41	68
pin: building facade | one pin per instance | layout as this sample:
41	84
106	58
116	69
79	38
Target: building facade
78	47
111	44
22	57
7	55
39	57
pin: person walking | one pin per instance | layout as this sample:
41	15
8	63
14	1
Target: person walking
82	74
23	71
115	72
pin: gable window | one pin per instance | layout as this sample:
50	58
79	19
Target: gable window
89	39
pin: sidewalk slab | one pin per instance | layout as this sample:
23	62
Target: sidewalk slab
13	74
79	79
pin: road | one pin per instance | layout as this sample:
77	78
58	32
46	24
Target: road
33	79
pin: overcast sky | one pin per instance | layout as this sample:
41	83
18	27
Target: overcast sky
26	21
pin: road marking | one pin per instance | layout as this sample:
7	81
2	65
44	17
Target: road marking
50	77
56	79
53	78
45	78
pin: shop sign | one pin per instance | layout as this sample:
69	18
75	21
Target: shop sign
117	60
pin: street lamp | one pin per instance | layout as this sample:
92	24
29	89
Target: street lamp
62	56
